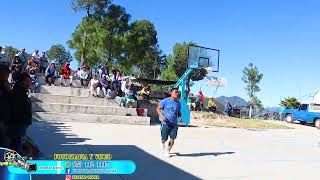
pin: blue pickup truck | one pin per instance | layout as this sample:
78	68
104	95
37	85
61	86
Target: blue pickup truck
305	114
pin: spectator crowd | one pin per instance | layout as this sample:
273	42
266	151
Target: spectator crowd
19	78
103	84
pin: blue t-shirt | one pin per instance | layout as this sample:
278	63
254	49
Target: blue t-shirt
171	109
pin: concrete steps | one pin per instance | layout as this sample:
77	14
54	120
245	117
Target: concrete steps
86	109
57	82
55	103
50	98
65	91
91	118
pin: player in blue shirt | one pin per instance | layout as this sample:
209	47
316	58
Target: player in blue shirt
169	113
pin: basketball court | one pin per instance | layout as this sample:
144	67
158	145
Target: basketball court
200	153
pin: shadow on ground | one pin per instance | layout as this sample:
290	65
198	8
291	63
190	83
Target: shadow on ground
203	154
54	138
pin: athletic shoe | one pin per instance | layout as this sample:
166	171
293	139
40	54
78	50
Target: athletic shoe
167	154
162	146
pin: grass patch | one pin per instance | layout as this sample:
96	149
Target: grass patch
254	124
210	119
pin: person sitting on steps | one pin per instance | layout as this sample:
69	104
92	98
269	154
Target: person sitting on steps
212	105
94	84
35	84
32	64
50	74
130	98
84	76
103	86
145	92
66	74
16	61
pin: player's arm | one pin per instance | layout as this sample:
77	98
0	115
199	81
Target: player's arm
179	114
159	111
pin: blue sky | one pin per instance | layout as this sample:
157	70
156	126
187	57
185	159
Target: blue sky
281	38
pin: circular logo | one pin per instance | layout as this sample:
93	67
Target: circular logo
68	164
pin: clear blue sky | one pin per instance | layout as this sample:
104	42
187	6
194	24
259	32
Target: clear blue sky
280	37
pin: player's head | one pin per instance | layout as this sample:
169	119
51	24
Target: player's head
174	93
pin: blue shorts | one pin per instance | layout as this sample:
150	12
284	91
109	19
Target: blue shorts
168	130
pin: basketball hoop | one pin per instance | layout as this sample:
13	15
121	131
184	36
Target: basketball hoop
202	57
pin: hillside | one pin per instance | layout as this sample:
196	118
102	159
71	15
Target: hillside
234	100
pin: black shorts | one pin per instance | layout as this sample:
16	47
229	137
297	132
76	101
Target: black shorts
168	130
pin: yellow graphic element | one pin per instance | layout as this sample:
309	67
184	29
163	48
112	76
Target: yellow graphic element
6	163
82	156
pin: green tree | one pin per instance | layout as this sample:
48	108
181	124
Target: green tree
150	66
91	7
106	35
180	65
257	104
95	9
180	55
198	74
142	48
168	73
112	30
290	103
58	54
251	77
11	52
122	45
86	53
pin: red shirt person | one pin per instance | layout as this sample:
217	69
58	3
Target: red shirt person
201	97
66	74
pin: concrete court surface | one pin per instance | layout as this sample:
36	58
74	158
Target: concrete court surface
199	153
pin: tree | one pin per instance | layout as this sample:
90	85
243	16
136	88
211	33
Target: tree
95	9
92	7
257	104
86	53
111	39
114	26
180	55
58	54
106	35
141	44
150	66
251	77
11	52
290	103
198	74
179	63
168	73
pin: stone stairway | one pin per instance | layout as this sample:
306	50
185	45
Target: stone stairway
55	103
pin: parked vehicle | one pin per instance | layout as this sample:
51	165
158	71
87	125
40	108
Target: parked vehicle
305	114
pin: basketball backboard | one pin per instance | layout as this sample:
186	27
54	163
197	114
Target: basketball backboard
202	57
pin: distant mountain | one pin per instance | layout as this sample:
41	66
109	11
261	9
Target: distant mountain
235	101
